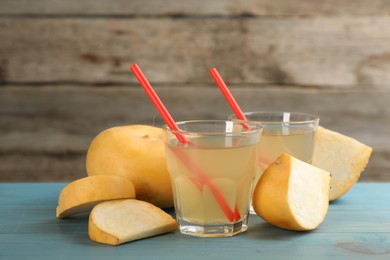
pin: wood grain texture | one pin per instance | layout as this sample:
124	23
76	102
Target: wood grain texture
83	112
194	7
345	52
45	131
356	227
64	71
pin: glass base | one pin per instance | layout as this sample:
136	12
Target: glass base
212	230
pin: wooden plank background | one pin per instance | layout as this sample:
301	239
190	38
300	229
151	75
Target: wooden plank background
64	71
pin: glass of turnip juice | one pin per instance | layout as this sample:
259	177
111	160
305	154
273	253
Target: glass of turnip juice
212	175
284	132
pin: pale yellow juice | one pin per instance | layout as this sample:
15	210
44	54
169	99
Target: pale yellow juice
299	144
230	169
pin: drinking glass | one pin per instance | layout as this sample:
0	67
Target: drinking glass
212	174
283	132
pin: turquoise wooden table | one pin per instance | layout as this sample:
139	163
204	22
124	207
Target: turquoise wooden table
356	226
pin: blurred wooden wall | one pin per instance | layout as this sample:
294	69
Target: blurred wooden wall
64	73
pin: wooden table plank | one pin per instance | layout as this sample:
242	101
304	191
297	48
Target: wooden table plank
193	7
45	131
357	226
74	115
306	51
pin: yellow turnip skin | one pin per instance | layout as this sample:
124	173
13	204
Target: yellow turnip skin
136	152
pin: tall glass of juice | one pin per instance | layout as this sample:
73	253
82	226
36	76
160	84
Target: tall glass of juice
212	174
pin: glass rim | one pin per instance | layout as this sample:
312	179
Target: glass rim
255	127
309	118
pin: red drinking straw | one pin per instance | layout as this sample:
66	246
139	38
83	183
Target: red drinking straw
228	96
232	102
157	102
173	126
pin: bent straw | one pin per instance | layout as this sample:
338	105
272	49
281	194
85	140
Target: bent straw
228	96
172	125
